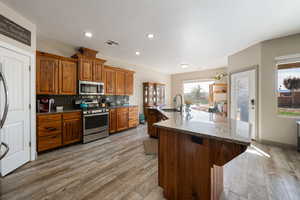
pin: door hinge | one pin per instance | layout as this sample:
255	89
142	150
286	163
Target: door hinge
29	67
29	106
30	144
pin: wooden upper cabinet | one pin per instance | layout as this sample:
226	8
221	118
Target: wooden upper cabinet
120	82
46	74
86	69
129	83
97	70
109	79
68	77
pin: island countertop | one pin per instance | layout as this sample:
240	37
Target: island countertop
204	124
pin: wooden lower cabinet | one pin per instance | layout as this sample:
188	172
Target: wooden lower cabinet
56	130
112	120
72	128
133	119
123	118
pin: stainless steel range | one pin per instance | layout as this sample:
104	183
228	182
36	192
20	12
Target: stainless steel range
95	124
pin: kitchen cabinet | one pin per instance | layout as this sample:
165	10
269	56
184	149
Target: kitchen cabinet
133	116
86	69
55	75
154	94
68	77
97	70
46	74
109	79
120	82
129	83
122	119
56	130
49	132
72	128
112	120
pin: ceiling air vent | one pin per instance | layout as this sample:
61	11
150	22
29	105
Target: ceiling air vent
111	43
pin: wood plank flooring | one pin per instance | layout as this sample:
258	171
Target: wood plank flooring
117	168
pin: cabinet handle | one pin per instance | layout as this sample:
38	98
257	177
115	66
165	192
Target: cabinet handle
197	140
51	129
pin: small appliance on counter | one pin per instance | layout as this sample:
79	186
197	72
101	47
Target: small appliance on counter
45	105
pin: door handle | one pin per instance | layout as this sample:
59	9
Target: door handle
6	150
5	112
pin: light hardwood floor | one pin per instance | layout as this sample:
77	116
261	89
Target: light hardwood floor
117	168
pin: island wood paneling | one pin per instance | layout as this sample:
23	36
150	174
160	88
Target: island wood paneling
187	165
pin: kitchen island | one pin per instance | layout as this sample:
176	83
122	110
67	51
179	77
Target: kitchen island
193	148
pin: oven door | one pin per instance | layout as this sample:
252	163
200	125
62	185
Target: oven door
91	88
94	123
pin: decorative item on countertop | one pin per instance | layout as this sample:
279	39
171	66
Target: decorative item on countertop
59	108
219	76
187	106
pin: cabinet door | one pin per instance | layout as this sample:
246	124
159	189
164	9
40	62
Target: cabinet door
112	121
86	69
129	83
109	79
97	71
122	119
120	82
67	77
72	128
46	75
133	119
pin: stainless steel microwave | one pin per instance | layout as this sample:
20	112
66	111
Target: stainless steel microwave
91	88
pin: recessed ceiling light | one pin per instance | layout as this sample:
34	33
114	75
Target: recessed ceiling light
137	53
183	66
150	36
88	34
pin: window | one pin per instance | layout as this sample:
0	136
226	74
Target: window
197	93
288	88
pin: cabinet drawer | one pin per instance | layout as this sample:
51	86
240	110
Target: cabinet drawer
48	118
133	109
49	142
72	115
133	123
49	128
122	109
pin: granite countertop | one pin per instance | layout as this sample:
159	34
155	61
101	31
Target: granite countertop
58	112
204	124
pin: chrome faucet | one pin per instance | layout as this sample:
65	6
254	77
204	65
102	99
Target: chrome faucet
180	108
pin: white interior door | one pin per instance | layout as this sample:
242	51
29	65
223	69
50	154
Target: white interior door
243	98
16	130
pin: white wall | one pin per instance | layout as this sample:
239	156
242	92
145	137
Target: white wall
276	128
20	20
143	74
178	79
272	128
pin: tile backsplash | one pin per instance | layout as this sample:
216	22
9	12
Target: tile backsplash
68	101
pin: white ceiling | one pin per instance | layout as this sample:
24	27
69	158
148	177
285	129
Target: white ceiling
201	33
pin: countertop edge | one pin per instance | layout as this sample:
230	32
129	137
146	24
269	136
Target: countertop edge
197	134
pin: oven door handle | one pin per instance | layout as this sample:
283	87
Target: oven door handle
98	114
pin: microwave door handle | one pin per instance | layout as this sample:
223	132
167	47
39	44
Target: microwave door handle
5	112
